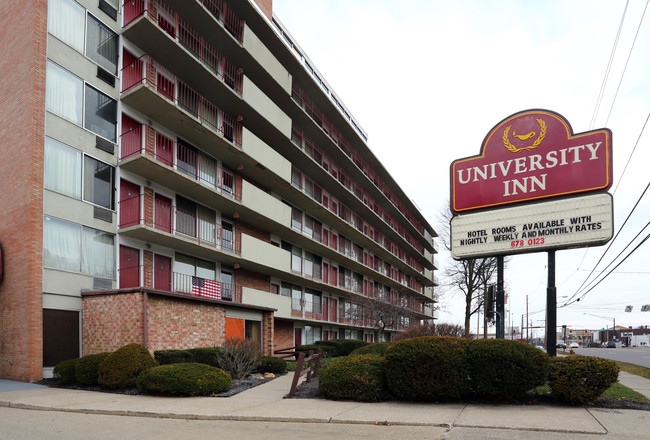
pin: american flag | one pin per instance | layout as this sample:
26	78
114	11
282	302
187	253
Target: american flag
207	288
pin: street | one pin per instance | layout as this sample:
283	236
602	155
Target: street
637	356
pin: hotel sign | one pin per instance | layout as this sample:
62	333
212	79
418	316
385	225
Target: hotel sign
555	224
531	155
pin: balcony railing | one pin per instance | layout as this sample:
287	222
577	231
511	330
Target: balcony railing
174	25
190	162
145	70
169	281
170	219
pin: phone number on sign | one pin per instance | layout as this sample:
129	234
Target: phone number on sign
531	242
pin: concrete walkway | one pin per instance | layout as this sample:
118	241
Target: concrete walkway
267	403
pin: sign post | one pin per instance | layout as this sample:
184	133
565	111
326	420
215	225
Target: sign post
535	187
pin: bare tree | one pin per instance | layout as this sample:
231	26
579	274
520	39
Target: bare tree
471	276
432	329
384	311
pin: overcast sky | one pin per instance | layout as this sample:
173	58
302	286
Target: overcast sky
428	79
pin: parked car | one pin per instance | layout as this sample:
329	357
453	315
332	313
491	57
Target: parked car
611	344
574	345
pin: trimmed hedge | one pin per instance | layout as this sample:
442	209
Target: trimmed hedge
581	379
360	378
428	368
205	355
122	367
343	346
328	350
501	369
271	364
184	379
64	372
377	348
173	356
86	369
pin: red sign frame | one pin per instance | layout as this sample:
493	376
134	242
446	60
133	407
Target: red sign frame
531	155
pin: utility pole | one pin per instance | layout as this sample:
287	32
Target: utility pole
527	318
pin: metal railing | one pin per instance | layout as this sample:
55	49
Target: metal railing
145	70
171	219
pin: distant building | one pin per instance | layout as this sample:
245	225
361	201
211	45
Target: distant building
178	172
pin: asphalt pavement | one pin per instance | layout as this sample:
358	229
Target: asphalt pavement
266	403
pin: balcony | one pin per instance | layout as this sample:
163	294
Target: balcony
150	154
179	283
158	30
155	220
151	89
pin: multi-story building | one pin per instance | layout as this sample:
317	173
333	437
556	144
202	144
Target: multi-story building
177	172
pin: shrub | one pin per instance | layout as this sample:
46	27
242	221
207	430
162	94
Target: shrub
165	357
378	349
122	367
205	355
343	346
86	368
360	378
581	379
502	369
64	372
271	364
328	350
239	357
185	379
428	368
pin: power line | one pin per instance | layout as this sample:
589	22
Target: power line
629	55
608	247
632	153
607	70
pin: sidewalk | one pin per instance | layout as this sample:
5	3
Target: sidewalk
267	403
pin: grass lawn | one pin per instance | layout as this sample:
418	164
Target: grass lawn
634	369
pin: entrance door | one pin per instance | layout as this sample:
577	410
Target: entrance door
297	340
162	273
129	204
129	267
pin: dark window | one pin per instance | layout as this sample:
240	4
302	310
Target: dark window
98	183
101	114
101	45
60	336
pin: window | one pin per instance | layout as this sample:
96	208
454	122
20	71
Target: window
312	334
296	219
101	45
62	168
63	93
66	20
186	267
313	301
69	246
101	114
313	265
296	178
98	183
185	216
63	173
64	97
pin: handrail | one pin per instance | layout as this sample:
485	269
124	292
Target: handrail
313	365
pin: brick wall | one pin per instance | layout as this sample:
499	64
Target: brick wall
111	321
253	231
147	266
178	323
283	335
254	280
23	32
148	206
114	319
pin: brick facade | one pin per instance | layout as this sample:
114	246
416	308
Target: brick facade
266	6
254	280
251	230
283	335
23	32
156	320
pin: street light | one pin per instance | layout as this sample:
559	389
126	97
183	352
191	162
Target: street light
613	326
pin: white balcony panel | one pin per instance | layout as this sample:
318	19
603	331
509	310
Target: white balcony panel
282	304
264	204
265	254
266	107
263	154
266	59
